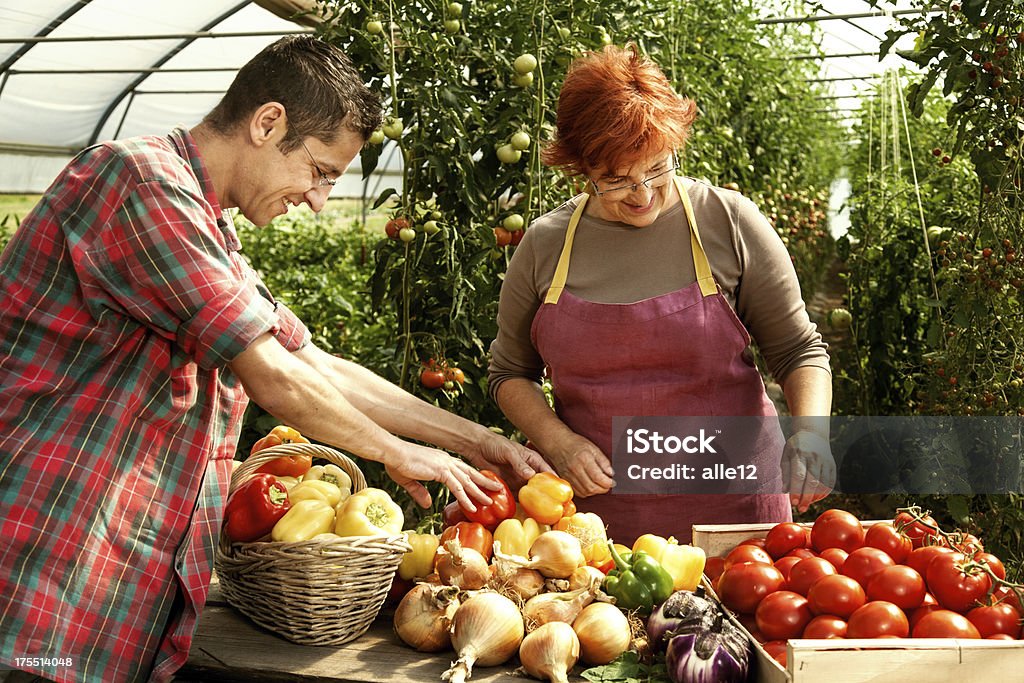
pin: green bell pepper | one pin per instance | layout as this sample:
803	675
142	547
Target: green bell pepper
638	581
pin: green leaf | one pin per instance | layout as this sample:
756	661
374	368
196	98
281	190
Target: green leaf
383	197
958	509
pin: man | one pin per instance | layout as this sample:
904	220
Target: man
132	335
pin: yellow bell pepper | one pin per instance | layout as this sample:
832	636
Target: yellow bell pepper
418	562
369	512
547	498
515	536
684	562
330	473
289	482
303	521
589	529
316	489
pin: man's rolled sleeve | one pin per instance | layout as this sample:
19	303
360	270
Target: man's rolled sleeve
226	325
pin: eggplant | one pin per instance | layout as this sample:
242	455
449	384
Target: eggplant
702	644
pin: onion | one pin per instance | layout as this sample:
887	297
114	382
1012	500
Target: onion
486	631
550	651
518	581
548	607
603	631
462	567
555	554
424	615
585	577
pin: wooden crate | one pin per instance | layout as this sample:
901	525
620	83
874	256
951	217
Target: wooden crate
896	660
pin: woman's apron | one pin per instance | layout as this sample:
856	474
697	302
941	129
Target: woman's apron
678	354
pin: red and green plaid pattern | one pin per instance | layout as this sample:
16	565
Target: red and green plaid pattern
122	298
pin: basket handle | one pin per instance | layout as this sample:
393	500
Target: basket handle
248	468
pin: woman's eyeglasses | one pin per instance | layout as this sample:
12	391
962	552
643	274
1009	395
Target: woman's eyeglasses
656	180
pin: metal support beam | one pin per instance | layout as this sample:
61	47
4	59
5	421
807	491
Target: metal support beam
843	17
153	36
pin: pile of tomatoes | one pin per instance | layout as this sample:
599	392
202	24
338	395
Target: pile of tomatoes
839	578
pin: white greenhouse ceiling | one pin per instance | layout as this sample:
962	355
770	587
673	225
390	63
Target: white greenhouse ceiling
74	72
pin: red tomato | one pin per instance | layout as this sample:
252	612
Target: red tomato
801	553
884	536
1009	596
784	538
835	556
901	585
713	568
785	564
782	615
954	588
863	563
746	552
968	544
927	607
837	595
993	562
877	619
915	529
920	558
942	623
756	542
993	619
825	626
837	529
743	586
806	572
432	379
776	649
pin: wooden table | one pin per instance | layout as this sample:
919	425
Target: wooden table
229	647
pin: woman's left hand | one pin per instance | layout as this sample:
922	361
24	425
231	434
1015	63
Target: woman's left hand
808	468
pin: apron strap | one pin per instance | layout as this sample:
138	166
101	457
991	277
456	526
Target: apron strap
705	278
562	269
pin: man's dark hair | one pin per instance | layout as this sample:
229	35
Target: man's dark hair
315	81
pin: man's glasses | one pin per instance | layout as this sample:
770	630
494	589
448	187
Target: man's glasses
324	180
656	180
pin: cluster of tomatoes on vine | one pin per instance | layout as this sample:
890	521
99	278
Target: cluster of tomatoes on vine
840	578
994	267
440	375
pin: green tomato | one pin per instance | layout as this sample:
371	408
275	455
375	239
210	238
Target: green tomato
452	25
455	9
507	154
376	137
431	227
407	234
393	128
564	33
523	80
374	27
525	64
839	319
520	140
513	222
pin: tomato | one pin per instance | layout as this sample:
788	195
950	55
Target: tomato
837	529
993	619
955	588
806	572
516	237
863	563
993	562
784	538
901	585
407	234
776	649
920	558
877	619
835	556
927	607
507	154
455	375
756	542
713	567
782	615
394	227
942	623
743	586
514	222
825	626
884	536
837	595
1009	596
432	379
747	553
801	553
917	530
502	237
785	564
968	544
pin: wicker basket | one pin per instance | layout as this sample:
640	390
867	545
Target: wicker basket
316	592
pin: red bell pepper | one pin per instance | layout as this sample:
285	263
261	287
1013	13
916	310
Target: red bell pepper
254	508
502	506
471	535
286	465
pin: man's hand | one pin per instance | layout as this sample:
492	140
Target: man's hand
808	468
511	461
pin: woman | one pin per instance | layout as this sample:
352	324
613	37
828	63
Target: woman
603	293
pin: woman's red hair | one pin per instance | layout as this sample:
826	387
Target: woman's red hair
616	106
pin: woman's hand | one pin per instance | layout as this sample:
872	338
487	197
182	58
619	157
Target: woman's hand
415	463
577	460
808	468
511	461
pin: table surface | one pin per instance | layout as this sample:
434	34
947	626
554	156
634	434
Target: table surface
229	647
